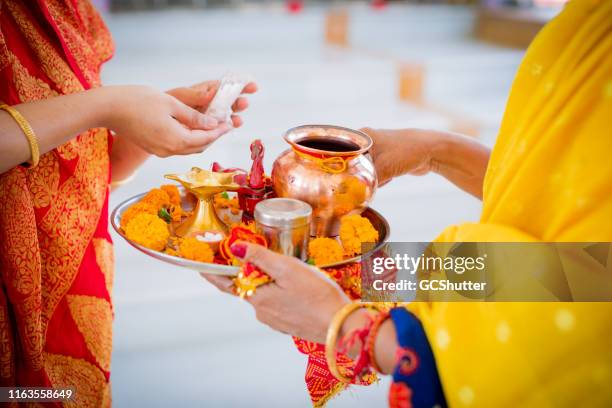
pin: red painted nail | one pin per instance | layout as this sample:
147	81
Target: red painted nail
238	249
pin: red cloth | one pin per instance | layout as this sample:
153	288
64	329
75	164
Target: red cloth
321	384
55	249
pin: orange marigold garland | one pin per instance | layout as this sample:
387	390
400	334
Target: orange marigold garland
250	277
239	233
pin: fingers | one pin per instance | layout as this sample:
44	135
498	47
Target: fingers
223	283
275	265
193	97
236	121
198	140
250	88
191	118
240	105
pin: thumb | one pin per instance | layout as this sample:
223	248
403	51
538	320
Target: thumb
193	119
273	264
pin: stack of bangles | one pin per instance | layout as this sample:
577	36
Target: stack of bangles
365	335
27	131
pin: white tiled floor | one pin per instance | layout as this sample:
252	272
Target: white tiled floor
177	341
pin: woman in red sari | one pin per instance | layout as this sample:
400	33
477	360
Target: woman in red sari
56	257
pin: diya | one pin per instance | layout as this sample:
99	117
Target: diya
204	184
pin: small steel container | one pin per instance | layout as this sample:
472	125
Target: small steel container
285	222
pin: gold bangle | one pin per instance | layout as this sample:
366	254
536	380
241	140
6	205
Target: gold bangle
27	131
332	336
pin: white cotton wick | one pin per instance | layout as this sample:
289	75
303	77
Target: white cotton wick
209	237
230	89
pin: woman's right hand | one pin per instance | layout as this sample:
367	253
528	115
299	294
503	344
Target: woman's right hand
159	123
399	152
458	158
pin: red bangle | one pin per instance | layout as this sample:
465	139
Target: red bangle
371	339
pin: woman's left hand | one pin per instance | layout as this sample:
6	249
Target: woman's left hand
198	96
301	300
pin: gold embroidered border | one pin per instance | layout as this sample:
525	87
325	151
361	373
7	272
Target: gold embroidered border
105	258
56	68
87	380
69	223
94	318
85	57
20	245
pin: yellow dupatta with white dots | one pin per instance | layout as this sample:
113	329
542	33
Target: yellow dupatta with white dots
549	179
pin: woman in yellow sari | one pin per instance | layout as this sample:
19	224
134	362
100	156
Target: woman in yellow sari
549	178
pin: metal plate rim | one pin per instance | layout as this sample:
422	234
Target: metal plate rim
225	270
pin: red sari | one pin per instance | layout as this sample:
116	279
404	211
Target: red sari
55	250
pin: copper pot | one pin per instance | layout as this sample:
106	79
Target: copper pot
327	167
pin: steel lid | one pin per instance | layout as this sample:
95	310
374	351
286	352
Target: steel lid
283	212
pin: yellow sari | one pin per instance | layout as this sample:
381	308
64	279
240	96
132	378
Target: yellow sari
549	179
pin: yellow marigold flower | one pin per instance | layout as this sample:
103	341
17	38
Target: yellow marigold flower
148	230
171	251
157	197
192	248
173	194
223	201
134	210
350	192
354	231
325	251
176	212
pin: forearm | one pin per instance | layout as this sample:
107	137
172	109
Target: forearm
461	160
126	157
54	121
385	346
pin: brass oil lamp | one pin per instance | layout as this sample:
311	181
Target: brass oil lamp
204	185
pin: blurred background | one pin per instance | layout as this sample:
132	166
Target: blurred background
443	65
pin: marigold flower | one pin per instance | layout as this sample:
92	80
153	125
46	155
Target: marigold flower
349	193
149	231
223	201
157	197
176	212
196	250
173	194
171	251
325	251
354	231
134	210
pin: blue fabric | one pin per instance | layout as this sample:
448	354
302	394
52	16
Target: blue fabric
423	380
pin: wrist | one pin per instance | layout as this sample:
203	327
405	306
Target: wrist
436	148
385	345
443	146
355	321
107	106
